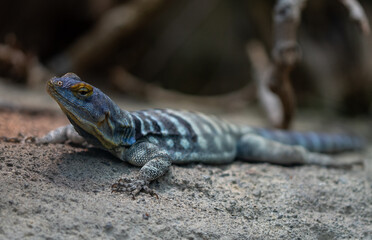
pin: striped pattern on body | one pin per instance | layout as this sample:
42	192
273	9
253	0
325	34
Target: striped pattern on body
167	122
187	136
209	133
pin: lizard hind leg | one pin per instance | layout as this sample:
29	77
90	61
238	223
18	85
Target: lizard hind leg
256	148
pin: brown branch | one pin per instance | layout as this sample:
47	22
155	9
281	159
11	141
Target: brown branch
357	14
287	15
131	85
281	85
22	67
286	53
99	43
273	78
262	68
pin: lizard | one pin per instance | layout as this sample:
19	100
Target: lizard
154	139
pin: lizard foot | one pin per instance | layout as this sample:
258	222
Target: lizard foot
133	186
11	139
20	139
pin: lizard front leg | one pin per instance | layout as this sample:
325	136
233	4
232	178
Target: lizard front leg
61	135
154	161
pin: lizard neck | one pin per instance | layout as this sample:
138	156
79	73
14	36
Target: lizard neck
114	128
122	128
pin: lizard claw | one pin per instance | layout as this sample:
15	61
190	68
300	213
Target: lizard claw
30	140
133	186
19	139
11	139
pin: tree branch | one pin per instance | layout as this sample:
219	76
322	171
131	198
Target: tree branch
99	43
357	14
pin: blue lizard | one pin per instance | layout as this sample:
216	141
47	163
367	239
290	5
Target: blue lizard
154	139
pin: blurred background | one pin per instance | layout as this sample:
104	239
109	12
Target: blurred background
149	49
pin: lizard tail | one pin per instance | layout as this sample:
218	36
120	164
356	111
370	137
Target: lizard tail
315	142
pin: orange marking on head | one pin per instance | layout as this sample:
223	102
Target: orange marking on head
81	85
84	87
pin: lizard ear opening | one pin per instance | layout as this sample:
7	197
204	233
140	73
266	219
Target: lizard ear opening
103	119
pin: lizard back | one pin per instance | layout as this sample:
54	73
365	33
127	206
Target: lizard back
188	136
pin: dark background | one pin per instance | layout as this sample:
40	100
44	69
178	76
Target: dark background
198	47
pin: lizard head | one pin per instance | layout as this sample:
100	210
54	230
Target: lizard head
94	115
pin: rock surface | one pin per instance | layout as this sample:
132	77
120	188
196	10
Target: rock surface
63	192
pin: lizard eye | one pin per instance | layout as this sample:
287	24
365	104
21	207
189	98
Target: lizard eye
60	83
83	91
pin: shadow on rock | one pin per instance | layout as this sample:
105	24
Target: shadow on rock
87	170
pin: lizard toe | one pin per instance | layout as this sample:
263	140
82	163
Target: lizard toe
132	186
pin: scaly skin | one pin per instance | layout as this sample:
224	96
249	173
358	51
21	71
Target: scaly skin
154	139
